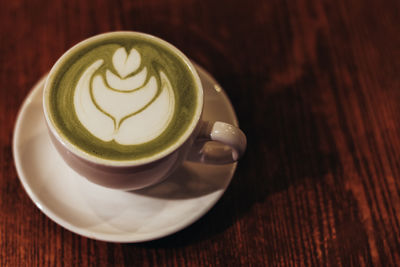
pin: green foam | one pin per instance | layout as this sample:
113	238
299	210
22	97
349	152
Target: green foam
156	58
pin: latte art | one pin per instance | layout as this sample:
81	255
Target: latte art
123	97
130	109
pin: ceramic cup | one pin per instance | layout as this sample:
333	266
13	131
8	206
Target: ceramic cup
143	172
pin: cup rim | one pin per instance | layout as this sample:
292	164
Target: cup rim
122	163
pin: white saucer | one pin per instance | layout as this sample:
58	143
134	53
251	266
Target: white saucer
111	215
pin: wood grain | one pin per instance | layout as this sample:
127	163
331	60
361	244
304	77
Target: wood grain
316	88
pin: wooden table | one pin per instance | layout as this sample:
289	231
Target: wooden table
316	86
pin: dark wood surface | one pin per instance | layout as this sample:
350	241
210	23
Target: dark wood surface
316	86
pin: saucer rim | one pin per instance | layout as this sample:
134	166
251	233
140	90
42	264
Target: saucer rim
101	236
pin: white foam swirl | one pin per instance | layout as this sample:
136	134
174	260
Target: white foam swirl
151	122
129	118
88	114
127	84
124	63
121	104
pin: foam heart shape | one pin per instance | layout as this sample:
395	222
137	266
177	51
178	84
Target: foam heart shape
125	64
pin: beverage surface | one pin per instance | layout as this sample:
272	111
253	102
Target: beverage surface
122	97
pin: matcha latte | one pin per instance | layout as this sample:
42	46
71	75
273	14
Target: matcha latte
123	96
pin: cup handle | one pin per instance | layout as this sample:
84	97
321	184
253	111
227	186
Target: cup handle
233	140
